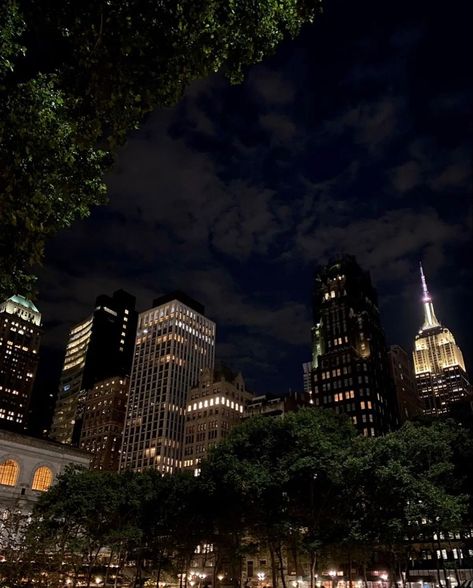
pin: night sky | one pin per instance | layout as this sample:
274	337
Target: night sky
354	138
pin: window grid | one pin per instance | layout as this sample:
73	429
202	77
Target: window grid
9	471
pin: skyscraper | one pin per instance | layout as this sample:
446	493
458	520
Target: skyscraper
349	363
99	347
174	343
20	334
438	362
409	404
102	426
213	407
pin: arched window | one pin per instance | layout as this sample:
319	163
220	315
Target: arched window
42	479
9	471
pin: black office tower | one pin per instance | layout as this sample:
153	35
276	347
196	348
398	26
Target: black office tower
99	347
350	372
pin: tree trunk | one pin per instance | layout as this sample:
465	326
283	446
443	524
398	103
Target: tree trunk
137	580
447	581
350	569
281	565
92	562
437	565
365	578
273	567
400	574
455	564
107	571
313	567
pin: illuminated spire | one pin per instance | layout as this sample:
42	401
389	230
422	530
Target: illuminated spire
430	320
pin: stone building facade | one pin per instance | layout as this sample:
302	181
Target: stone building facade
29	466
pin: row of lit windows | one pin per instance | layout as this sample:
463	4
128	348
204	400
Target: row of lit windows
215	401
348	394
10	470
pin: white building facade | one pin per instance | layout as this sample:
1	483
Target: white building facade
29	466
174	343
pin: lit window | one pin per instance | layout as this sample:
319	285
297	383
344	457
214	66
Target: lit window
42	480
9	471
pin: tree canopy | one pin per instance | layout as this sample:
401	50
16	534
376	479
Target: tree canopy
76	77
304	487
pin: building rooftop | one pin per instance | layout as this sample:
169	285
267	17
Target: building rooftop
40	443
182	297
22	301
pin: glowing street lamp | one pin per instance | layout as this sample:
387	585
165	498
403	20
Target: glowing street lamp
261	576
220	577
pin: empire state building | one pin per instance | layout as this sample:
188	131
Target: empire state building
439	367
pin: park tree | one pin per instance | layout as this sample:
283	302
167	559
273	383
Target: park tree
282	478
85	513
171	520
403	492
77	77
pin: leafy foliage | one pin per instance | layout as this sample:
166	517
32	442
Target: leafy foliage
305	484
76	77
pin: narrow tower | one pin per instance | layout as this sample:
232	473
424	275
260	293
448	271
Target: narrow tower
20	334
350	363
99	347
439	367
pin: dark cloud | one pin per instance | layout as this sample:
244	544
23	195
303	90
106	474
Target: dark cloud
345	141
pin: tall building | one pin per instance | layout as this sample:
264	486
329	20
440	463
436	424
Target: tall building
104	418
307	377
214	406
99	347
20	334
409	404
438	362
175	342
349	363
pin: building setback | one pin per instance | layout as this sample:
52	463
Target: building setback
409	404
175	342
275	406
350	365
214	407
103	421
441	377
20	334
99	347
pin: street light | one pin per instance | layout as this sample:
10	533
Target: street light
220	577
332	574
261	576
